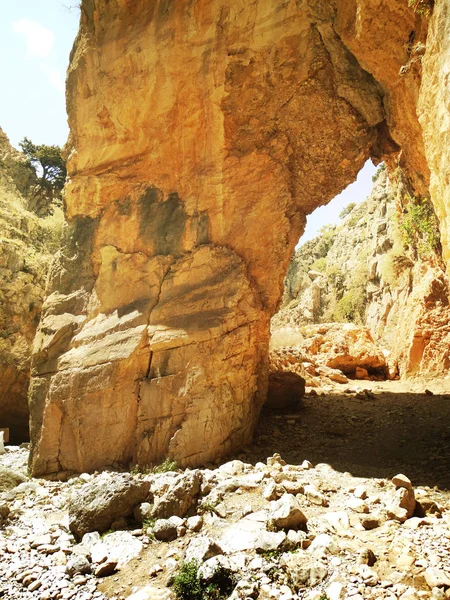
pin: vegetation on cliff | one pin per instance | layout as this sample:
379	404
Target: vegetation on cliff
381	268
50	170
28	243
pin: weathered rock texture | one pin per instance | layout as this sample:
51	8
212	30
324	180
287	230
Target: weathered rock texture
202	133
361	271
26	247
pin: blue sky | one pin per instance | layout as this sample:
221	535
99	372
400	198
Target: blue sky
36	37
355	192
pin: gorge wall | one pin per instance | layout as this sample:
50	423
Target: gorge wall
27	244
202	134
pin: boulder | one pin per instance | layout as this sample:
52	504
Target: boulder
120	547
180	497
105	568
143	511
78	565
286	390
343	346
164	530
286	513
405	499
101	501
401	481
248	534
201	548
303	571
10	479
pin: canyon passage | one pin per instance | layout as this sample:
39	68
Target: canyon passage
202	134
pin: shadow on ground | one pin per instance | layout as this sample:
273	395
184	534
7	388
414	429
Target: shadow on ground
378	437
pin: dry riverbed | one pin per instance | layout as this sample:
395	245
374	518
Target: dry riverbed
321	519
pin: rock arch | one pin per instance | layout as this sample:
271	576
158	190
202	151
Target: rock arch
202	134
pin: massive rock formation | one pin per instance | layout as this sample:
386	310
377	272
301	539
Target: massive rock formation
26	246
202	133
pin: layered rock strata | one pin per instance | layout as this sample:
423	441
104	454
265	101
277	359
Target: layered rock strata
202	133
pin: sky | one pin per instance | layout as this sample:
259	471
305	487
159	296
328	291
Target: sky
356	192
36	37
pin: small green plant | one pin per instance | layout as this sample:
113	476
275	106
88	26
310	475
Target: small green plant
422	7
102	535
208	507
319	265
419	226
378	172
271	527
166	466
148	523
274	554
324	597
188	586
347	210
138	470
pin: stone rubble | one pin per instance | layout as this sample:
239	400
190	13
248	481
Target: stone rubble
284	531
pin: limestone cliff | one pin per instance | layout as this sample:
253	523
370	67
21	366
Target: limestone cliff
202	133
328	277
363	271
27	244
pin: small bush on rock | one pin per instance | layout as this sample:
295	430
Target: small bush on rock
166	466
188	586
392	266
419	226
347	210
319	265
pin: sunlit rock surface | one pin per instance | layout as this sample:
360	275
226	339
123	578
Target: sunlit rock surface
27	244
201	135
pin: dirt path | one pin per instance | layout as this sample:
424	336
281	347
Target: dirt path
396	430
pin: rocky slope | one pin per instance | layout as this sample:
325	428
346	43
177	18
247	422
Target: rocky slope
27	245
363	271
332	278
240	530
201	135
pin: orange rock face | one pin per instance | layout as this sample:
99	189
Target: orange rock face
202	134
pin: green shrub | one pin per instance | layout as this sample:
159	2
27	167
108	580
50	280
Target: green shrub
347	210
335	275
188	586
378	172
166	466
351	307
419	226
319	265
392	266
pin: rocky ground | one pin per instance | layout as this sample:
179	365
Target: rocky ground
339	526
